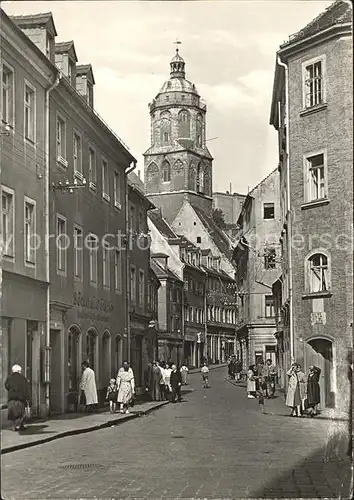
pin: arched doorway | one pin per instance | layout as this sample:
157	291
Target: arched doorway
106	357
319	352
118	354
91	348
73	353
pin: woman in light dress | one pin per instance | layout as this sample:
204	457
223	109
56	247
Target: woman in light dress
126	387
297	385
251	382
184	372
167	380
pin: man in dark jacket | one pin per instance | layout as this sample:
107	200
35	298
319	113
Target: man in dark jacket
18	397
176	384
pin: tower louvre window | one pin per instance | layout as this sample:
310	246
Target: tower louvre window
184	124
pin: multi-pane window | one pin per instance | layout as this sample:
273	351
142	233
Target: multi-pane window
92	244
7	205
106	266
77	154
117	192
141	288
268	211
314	84
269	258
29	113
166	171
61	244
316	178
105	180
30	230
117	271
7	96
132	284
318	273
92	167
78	252
61	143
269	306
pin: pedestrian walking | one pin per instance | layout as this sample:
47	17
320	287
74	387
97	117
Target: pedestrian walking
163	394
238	370
112	394
156	377
296	389
176	383
19	398
313	390
167	380
233	367
126	387
205	375
88	396
148	379
251	382
229	366
270	373
184	372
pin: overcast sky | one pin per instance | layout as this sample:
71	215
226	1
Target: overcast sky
229	49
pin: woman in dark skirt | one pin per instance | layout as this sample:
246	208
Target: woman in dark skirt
18	397
313	390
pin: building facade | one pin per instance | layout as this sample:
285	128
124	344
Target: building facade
257	257
26	77
312	110
88	164
170	307
230	204
141	335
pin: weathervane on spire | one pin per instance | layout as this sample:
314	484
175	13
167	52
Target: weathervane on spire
177	42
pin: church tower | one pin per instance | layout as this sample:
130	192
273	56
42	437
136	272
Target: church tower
178	164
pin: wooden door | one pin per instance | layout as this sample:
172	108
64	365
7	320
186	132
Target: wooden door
319	353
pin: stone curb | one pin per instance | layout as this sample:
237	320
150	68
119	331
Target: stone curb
83	430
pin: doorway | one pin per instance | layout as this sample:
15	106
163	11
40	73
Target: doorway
118	354
74	336
319	352
106	358
56	372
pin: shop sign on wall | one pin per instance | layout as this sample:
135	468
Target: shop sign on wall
318	318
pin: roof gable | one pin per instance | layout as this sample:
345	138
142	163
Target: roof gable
44	19
85	70
66	48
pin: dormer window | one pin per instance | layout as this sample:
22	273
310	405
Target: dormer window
48	49
89	94
71	71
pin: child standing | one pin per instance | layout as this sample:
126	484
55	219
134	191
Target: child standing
205	375
111	396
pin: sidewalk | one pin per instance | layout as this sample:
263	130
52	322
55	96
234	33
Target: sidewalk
69	424
42	431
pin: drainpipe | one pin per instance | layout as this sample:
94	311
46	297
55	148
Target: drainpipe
46	239
289	214
127	260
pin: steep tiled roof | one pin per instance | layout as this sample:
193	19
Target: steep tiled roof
338	12
217	235
161	224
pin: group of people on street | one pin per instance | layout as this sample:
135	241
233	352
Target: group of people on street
163	381
303	395
234	367
261	380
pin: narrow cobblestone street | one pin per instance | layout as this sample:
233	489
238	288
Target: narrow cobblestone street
216	444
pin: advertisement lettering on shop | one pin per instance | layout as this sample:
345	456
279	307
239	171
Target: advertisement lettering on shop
92	302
